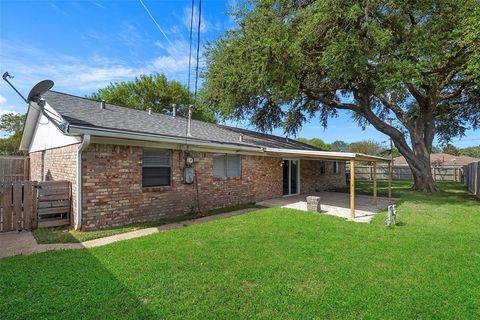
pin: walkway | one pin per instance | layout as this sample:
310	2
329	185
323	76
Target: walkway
23	243
335	204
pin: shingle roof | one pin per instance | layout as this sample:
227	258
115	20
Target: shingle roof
444	159
86	112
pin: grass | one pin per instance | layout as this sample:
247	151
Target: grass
268	264
70	235
399	187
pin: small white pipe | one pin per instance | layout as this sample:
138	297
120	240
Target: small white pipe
174	111
189	122
85	143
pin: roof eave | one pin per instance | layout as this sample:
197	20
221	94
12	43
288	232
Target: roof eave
29	126
111	133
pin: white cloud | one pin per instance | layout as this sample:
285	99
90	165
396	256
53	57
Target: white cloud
187	16
7	109
2	99
72	74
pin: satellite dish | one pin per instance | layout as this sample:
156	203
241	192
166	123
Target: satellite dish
39	89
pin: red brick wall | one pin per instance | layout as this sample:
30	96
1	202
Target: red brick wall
312	180
59	164
36	166
113	192
114	196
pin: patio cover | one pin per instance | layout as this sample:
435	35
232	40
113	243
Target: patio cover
341	156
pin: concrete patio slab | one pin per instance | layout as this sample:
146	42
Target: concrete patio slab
335	204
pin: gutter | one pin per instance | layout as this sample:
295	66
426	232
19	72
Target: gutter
85	143
111	133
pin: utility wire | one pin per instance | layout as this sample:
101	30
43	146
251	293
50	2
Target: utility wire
198	49
189	70
190	50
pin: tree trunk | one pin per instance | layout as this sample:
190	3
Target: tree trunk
418	160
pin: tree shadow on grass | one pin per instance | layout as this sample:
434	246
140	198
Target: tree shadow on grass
71	284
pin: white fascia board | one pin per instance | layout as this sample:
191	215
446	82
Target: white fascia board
312	153
326	154
29	126
49	135
110	133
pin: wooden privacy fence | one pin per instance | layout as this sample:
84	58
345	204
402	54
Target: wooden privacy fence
472	178
26	205
440	173
14	169
18	205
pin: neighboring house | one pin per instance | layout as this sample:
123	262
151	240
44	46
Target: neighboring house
129	166
441	159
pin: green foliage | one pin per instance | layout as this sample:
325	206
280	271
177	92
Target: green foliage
291	60
471	152
12	125
152	91
270	264
370	147
339	146
316	142
451	149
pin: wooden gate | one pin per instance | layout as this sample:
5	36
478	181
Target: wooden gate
54	203
18	205
26	205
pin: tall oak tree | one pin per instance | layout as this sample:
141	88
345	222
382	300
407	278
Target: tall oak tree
415	61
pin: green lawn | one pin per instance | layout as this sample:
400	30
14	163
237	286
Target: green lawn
398	187
69	235
270	264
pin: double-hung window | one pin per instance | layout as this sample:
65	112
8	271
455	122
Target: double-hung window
227	165
156	168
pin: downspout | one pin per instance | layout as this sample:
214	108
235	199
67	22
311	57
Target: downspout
85	143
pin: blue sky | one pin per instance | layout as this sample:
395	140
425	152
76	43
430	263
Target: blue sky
84	45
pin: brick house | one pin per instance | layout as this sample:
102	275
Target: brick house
129	166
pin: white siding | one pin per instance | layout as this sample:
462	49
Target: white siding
48	136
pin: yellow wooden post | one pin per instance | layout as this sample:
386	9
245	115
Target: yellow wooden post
389	179
352	189
374	167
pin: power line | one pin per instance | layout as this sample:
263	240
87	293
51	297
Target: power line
190	50
156	23
198	50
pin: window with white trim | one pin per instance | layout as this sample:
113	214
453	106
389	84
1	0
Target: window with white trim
227	165
156	168
336	167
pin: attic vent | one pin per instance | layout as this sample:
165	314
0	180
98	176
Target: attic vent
240	138
102	104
